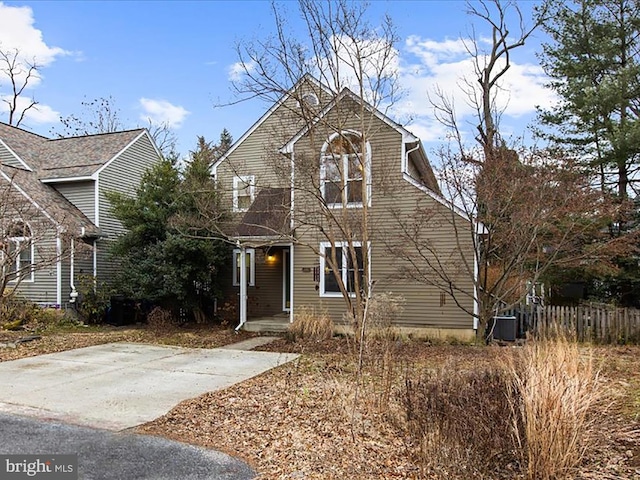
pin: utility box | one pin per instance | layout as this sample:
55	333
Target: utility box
122	312
504	328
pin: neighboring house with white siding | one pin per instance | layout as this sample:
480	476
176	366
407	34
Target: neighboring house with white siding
58	198
298	176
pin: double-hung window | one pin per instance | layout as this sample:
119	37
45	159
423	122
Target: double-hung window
250	255
20	252
342	169
244	191
347	269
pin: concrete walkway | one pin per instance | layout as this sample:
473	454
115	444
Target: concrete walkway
121	385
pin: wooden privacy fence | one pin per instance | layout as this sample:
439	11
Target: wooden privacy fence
585	323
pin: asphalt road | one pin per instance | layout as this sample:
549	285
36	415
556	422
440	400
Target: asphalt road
105	455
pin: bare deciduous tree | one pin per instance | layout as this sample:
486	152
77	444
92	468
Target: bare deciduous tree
19	73
102	115
342	50
532	210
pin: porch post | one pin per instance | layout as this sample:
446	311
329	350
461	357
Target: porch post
242	310
291	270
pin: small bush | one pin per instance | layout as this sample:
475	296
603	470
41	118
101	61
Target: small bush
160	320
93	299
19	314
15	313
382	310
310	325
537	416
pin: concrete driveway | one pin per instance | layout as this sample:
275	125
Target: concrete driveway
121	385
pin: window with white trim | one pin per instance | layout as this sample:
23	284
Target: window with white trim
347	269
244	191
310	99
342	168
250	266
20	251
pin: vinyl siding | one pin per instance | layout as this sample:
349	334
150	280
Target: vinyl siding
258	154
393	200
44	287
390	194
121	175
81	194
7	158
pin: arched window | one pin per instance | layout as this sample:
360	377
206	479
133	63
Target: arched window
343	168
19	249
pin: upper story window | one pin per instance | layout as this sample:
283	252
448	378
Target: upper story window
343	169
244	192
19	249
310	99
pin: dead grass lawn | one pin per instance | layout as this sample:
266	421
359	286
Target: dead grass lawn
299	421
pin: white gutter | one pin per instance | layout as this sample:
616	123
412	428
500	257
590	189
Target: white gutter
405	167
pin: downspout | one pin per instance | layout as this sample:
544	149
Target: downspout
406	161
74	294
476	297
243	287
476	275
95	261
59	271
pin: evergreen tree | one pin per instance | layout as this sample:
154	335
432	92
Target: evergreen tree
168	255
594	62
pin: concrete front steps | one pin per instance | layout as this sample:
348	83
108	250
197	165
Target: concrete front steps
275	324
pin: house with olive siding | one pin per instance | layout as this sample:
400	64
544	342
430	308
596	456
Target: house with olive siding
58	190
320	188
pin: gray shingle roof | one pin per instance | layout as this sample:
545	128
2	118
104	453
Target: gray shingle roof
65	157
62	211
268	215
81	156
60	158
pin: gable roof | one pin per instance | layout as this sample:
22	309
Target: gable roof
41	161
24	145
49	202
306	78
407	136
82	156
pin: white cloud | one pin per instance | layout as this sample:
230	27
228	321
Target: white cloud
377	59
24	44
429	66
237	70
18	33
38	114
162	112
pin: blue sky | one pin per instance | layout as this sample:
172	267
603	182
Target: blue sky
171	61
